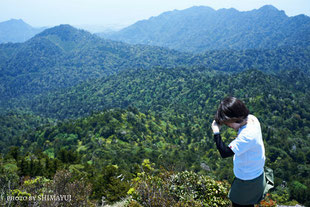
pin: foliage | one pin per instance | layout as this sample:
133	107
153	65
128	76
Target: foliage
178	189
299	191
267	202
110	185
9	180
281	196
15	124
189	185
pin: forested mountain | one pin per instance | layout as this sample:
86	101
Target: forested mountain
270	61
63	56
16	30
198	29
184	90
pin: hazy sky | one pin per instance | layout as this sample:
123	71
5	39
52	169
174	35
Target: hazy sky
123	12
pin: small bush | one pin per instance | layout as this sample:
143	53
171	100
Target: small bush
191	186
178	190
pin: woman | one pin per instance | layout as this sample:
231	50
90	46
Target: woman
248	150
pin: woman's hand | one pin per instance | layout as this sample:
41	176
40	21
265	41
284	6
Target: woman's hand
215	127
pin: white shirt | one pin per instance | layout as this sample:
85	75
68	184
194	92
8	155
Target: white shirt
249	158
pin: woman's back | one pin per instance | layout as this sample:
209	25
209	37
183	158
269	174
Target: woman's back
249	158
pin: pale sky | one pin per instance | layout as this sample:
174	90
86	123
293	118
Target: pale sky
123	12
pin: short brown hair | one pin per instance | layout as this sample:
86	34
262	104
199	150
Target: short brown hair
231	110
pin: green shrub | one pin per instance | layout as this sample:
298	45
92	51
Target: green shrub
189	185
178	190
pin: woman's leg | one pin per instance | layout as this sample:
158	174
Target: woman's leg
237	205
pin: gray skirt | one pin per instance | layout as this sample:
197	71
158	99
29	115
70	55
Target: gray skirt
249	192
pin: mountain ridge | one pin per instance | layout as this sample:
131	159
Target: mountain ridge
16	30
198	29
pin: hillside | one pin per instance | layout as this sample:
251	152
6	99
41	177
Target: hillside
103	155
168	115
183	90
17	31
199	29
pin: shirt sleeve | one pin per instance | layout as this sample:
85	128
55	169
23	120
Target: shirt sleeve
222	148
241	144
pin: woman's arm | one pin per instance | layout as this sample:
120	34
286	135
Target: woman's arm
224	150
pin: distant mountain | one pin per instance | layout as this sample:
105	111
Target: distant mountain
16	30
198	29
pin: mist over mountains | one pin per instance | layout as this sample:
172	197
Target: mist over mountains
199	29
